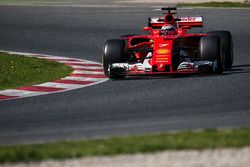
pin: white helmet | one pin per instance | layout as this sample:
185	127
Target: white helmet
168	29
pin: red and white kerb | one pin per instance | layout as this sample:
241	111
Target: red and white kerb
86	73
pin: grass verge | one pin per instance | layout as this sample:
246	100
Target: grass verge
127	145
19	71
217	4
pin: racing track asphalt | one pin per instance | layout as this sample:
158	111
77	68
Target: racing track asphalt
132	106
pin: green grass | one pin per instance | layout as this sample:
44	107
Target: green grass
216	4
127	145
19	71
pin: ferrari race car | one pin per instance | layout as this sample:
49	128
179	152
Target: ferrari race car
169	48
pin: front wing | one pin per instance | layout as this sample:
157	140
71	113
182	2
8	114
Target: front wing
146	69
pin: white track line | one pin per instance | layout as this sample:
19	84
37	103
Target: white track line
82	79
90	67
68	61
86	72
60	85
19	93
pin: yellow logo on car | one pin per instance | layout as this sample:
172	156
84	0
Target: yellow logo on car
163	51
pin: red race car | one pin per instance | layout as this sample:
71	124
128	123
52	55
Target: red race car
168	49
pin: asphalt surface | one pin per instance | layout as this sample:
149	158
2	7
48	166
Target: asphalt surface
132	106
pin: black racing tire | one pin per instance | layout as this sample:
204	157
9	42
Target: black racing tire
211	49
113	52
227	41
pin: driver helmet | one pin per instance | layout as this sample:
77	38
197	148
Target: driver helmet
168	30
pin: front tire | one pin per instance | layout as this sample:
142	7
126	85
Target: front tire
212	50
227	42
113	52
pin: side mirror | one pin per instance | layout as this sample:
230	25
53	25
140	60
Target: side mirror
147	28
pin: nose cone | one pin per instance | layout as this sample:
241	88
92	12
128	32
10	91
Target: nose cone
163	51
162	56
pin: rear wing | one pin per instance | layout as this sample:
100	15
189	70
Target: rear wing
190	21
158	22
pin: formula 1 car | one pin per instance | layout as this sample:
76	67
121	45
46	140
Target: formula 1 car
168	49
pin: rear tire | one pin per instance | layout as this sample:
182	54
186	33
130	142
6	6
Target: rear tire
113	52
227	42
212	50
